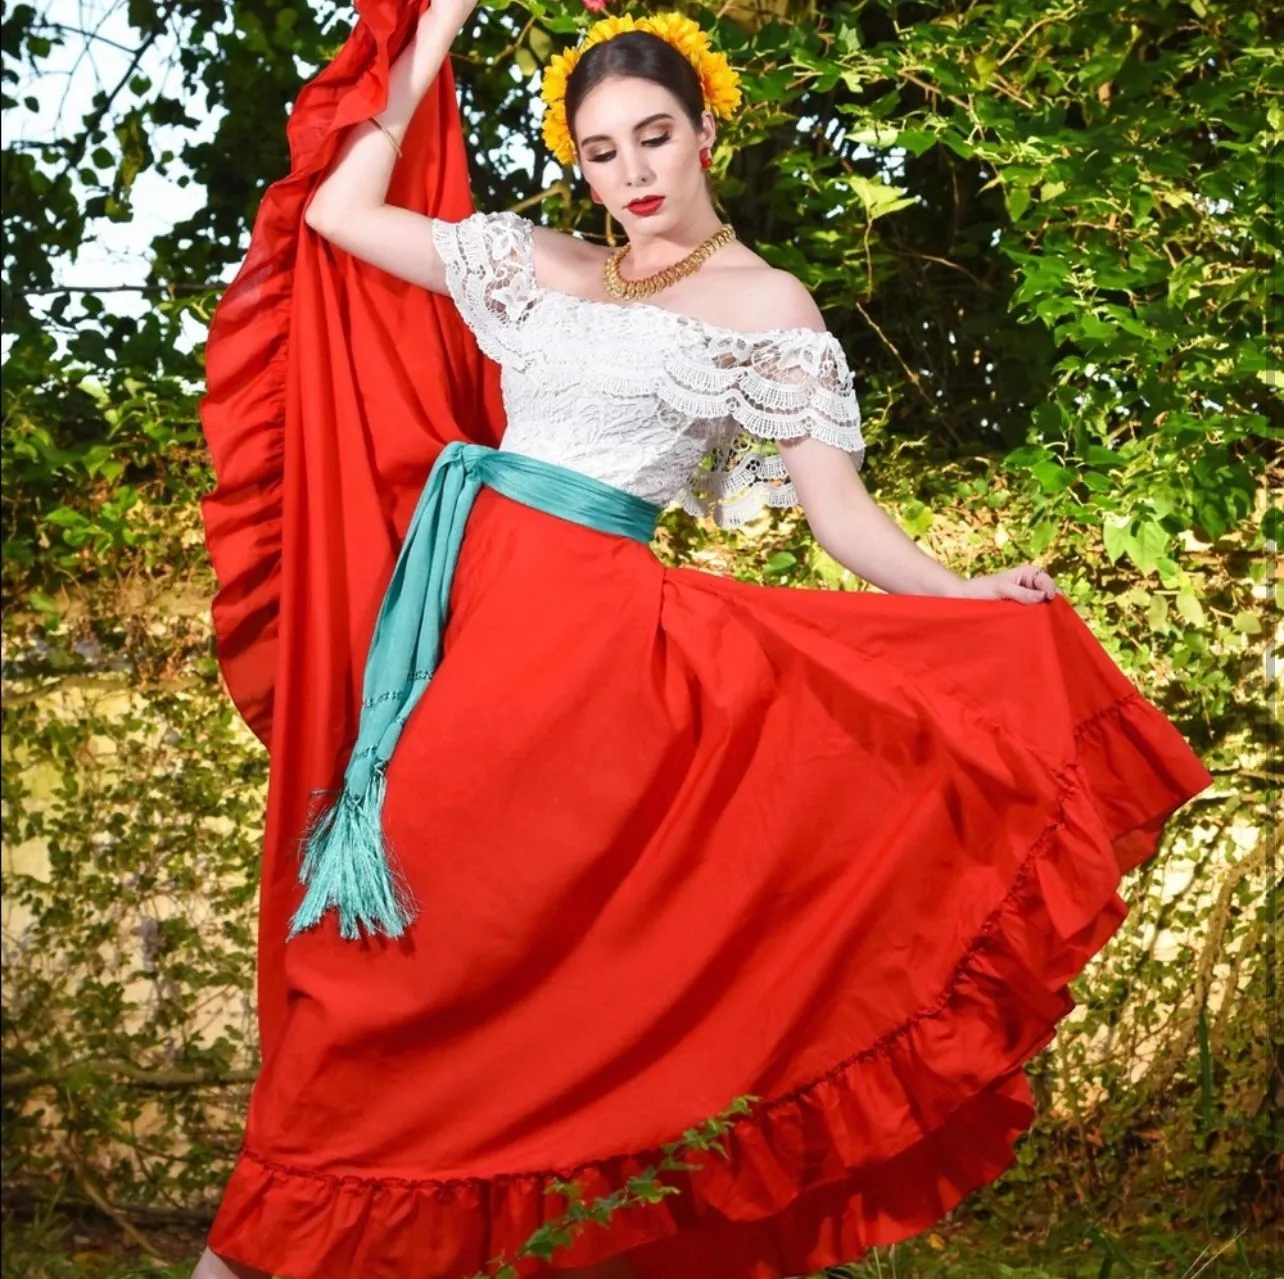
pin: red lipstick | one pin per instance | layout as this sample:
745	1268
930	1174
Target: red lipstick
645	207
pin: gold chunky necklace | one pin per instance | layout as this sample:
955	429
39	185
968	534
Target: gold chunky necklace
618	287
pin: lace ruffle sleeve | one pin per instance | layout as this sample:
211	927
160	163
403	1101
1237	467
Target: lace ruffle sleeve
490	272
782	385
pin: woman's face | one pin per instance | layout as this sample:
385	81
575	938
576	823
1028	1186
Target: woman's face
639	150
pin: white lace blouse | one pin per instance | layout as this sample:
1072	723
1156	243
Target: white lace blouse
660	404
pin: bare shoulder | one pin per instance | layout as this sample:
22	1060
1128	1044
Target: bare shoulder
761	296
788	302
736	289
563	260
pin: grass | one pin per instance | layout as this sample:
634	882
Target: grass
55	1245
1143	1253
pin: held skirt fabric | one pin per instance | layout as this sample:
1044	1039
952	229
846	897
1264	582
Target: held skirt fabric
675	839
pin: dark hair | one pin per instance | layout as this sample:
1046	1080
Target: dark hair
639	54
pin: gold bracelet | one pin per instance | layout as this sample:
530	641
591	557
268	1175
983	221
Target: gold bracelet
395	145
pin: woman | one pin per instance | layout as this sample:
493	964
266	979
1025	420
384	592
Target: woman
655	839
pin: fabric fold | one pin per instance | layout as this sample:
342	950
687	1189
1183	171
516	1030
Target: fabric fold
675	837
322	431
875	1149
347	864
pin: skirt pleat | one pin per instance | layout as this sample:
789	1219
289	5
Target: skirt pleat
678	839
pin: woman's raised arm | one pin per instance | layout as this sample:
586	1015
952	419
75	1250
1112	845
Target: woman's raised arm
349	206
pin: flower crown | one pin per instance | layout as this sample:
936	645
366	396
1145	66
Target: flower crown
720	83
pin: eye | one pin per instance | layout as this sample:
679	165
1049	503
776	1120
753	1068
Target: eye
601	157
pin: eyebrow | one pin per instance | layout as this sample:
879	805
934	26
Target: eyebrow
641	124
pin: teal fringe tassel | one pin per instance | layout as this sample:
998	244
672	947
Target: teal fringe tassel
346	865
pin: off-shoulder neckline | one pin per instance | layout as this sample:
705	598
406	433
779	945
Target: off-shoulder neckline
528	261
528	256
749	334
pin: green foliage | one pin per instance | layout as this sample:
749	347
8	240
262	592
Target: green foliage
54	1246
642	1188
131	819
1044	235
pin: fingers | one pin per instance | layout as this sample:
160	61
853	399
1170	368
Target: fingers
1032	577
1026	584
1022	594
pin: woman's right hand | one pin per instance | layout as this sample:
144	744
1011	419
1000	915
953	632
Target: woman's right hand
440	21
349	207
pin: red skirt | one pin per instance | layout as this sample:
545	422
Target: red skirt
677	839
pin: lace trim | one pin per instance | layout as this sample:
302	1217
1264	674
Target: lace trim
743	480
761	387
491	277
806	389
743	483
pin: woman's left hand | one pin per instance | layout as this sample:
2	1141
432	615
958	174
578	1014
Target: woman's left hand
1027	584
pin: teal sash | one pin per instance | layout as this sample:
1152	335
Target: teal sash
346	862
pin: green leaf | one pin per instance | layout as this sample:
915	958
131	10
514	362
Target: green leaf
65	517
1273	525
1189	607
1018	200
1145	543
1097	456
916	518
877	198
878	135
1094	328
1052	477
1115	538
1042	535
1157	613
541	43
1026	456
774	85
916	141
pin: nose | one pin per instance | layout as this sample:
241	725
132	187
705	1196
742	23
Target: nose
640	173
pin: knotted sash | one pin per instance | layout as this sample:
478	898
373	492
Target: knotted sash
346	862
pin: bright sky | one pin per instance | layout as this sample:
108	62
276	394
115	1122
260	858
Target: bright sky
115	253
96	49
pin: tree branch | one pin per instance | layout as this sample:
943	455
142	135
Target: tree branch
152	1080
46	25
93	121
126	288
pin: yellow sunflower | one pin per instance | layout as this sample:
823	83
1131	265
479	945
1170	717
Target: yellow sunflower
719	81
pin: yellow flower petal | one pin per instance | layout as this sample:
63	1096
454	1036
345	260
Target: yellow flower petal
719	82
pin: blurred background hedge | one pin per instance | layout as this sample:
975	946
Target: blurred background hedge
1046	235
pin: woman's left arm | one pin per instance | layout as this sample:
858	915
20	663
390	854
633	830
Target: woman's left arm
863	538
850	525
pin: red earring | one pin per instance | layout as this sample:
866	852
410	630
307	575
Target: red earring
593	195
705	158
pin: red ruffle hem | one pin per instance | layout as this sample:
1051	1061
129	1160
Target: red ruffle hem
674	838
